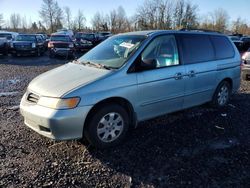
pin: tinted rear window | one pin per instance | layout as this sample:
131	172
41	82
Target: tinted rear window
63	38
223	47
196	48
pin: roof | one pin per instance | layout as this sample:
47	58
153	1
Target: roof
158	32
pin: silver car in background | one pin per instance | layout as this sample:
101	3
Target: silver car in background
129	78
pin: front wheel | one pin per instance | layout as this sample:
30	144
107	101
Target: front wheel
222	94
107	127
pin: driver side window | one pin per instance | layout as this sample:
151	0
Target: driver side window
163	49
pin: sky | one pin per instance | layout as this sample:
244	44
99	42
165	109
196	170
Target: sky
30	8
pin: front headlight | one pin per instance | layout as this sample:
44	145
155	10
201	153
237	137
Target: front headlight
11	45
33	45
59	104
71	45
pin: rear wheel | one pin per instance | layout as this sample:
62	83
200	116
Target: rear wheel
107	127
222	94
38	54
51	54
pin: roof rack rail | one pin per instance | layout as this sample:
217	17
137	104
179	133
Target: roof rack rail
199	30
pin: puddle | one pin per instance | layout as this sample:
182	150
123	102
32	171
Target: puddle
217	144
8	83
5	94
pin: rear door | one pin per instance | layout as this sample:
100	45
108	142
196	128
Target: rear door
198	56
161	90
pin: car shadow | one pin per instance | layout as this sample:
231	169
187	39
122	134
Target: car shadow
201	146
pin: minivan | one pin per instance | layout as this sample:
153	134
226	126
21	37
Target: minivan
130	78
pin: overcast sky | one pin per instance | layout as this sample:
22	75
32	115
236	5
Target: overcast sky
30	8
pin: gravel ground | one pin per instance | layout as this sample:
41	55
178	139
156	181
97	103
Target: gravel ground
199	147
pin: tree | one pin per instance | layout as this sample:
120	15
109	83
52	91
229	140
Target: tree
68	17
221	19
58	17
80	20
100	22
34	27
240	26
24	23
118	21
15	21
1	21
217	20
51	14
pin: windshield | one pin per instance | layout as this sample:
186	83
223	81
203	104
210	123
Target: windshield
85	36
6	35
60	38
114	51
234	38
25	38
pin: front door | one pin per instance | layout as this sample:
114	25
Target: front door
161	90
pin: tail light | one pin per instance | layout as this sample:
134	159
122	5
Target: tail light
50	45
244	56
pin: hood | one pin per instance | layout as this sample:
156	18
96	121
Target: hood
3	40
23	42
61	80
60	42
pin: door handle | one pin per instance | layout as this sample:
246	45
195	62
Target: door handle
191	73
178	76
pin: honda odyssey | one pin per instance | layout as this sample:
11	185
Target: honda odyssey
130	78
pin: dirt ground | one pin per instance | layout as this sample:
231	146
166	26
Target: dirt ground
199	147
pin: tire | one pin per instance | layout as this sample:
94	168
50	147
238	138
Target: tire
109	134
51	54
222	95
38	54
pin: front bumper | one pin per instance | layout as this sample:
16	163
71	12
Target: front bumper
84	47
62	51
246	72
24	52
55	124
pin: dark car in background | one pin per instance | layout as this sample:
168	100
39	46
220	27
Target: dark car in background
9	37
238	43
3	46
27	44
86	41
45	39
104	35
61	45
246	65
246	43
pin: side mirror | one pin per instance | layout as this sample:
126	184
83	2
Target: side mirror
148	64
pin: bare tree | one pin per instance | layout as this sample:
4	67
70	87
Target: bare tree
240	26
217	20
179	12
221	19
118	20
100	22
51	14
80	20
190	16
1	21
58	17
34	27
24	23
68	17
15	21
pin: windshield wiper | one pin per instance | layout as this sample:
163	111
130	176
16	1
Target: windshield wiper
97	65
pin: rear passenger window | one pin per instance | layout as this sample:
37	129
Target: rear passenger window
223	47
196	48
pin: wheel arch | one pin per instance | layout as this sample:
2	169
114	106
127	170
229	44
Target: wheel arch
114	100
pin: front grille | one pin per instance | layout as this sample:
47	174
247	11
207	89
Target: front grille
32	98
61	45
23	46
